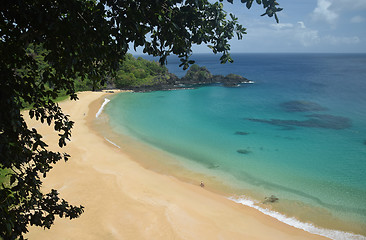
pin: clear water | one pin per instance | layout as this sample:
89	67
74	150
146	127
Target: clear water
313	152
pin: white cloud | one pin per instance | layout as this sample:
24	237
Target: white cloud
301	24
321	26
331	10
323	11
299	36
296	34
341	40
307	37
280	26
357	19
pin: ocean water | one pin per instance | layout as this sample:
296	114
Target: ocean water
298	132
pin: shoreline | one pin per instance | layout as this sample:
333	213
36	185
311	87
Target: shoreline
192	172
123	199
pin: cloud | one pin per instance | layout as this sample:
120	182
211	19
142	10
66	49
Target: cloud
301	24
341	40
322	26
357	19
295	34
331	10
280	26
303	37
323	11
307	37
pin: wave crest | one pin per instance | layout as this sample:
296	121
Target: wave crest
106	101
332	234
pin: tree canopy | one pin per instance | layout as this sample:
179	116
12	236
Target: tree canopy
81	39
138	72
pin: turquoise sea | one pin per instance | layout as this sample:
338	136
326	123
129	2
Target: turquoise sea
298	132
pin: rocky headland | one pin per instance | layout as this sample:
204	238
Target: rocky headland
196	76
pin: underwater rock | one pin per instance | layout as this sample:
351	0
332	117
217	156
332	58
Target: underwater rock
364	142
243	151
241	133
314	121
213	166
301	106
285	128
328	121
271	199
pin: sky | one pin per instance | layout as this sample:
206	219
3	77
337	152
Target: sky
312	26
305	26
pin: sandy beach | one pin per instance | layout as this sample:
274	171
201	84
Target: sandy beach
124	200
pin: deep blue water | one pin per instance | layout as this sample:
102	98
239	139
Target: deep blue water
299	132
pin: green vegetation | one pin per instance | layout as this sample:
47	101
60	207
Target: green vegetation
131	73
3	175
197	73
139	72
234	76
46	45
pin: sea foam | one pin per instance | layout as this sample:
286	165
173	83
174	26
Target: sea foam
106	101
332	234
111	142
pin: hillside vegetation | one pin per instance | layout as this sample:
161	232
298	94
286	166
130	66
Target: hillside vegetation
140	72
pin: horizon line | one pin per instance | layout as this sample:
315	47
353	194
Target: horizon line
145	54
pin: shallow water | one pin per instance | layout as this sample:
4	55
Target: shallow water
299	132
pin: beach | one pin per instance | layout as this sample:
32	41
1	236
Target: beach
125	200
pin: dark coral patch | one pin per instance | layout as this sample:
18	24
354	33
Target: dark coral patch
241	133
313	121
243	151
301	106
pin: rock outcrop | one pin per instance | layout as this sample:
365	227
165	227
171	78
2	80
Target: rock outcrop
195	77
